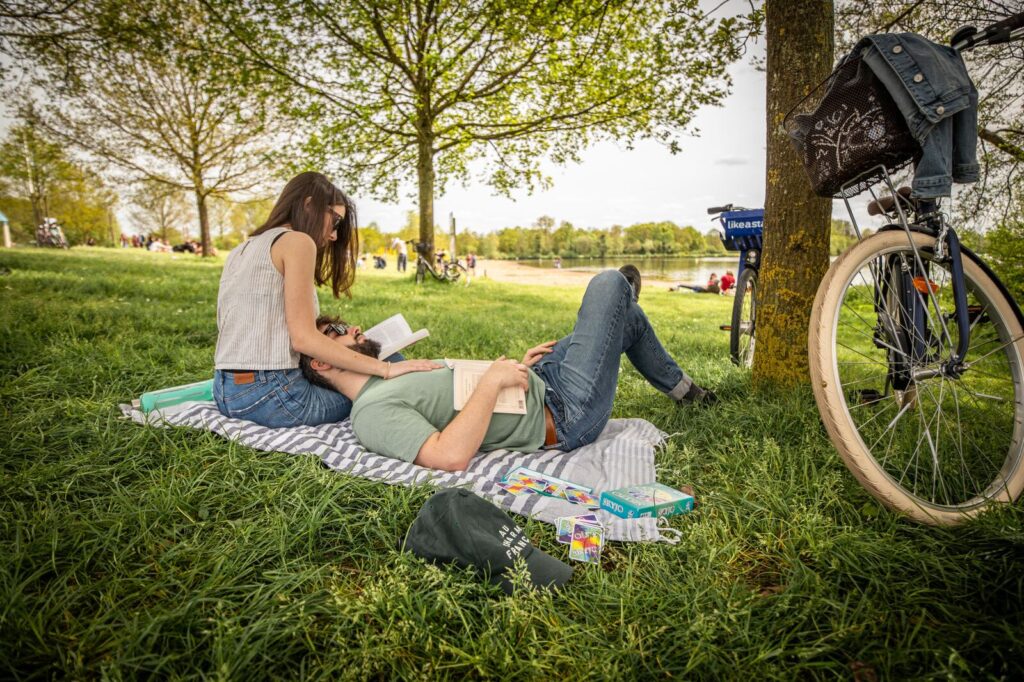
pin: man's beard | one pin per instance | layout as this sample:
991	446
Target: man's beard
366	347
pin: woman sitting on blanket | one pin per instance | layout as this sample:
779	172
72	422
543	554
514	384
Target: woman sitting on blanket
267	306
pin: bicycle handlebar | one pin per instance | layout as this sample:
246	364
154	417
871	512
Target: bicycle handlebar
1009	29
715	210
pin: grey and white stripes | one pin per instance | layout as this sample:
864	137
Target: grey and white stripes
252	331
622	455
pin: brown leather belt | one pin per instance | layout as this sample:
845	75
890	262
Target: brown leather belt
550	436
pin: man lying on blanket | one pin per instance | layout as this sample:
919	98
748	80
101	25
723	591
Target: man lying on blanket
570	385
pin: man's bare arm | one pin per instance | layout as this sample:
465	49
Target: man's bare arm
453	448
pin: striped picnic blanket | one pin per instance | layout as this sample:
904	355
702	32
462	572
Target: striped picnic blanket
623	455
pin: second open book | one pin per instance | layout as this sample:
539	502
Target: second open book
468	373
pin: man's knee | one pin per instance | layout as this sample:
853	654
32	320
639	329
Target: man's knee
609	284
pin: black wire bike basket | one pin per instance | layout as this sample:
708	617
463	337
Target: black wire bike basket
847	126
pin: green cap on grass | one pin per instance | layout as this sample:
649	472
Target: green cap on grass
456	526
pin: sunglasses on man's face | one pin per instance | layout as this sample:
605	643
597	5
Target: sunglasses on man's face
337	328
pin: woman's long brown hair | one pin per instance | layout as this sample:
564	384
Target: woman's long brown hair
335	261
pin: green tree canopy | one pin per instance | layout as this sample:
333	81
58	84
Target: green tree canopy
391	91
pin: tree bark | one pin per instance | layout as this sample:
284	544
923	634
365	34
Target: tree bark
425	176
204	222
796	236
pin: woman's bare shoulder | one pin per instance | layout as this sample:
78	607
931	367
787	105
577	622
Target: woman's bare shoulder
292	247
293	240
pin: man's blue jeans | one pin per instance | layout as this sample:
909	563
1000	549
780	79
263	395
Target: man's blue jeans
582	372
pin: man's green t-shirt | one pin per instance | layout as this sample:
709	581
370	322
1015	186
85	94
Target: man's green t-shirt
395	417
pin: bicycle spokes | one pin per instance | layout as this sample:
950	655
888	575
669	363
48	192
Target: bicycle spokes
941	435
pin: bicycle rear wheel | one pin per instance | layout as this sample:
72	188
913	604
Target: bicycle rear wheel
744	311
936	448
452	271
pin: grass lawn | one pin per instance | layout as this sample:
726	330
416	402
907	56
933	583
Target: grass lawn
129	551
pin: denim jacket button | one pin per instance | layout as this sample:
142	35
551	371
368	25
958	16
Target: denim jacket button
940	110
918	78
897	49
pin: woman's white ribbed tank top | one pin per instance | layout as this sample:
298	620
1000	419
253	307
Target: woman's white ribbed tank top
252	331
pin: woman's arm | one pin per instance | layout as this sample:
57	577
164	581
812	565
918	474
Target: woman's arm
294	254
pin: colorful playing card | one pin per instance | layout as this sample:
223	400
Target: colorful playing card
581	497
587	540
517	488
555	490
530	473
566	523
536	483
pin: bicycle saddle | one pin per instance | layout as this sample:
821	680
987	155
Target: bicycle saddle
886	204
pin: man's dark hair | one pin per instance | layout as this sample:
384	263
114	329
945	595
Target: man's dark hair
312	376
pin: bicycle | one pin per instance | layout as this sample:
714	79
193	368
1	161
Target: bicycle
451	271
742	232
916	348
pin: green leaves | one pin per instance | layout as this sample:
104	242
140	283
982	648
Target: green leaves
502	82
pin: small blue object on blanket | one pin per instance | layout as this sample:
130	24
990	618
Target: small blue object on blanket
623	455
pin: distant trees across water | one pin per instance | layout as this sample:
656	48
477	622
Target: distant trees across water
544	240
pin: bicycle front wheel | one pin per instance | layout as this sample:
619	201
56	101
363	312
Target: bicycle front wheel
744	311
937	448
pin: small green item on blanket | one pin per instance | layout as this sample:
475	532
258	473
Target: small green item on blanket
168	397
648	500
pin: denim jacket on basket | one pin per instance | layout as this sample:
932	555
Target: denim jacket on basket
933	91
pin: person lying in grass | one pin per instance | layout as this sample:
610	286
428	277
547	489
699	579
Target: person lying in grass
570	385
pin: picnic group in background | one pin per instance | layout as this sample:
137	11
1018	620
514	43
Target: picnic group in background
158	244
714	285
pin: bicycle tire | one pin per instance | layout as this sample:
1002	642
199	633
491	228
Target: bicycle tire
741	333
986	417
421	275
453	271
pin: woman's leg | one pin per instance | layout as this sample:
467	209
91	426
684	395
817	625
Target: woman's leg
255	396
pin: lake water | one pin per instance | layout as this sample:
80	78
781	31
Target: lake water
675	269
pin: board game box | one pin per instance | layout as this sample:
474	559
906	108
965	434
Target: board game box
648	500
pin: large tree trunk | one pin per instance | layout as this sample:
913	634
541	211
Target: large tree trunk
796	235
204	222
425	176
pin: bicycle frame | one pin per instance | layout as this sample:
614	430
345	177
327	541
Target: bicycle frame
911	300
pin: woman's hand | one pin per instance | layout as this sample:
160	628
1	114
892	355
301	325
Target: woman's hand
537	352
406	366
507	373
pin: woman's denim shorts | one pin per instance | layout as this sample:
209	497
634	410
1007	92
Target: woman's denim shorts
277	398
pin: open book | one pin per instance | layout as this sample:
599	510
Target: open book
394	334
467	374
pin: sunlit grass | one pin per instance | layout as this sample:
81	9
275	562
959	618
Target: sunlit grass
130	551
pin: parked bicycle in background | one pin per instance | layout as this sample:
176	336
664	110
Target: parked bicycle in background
447	271
742	231
916	347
